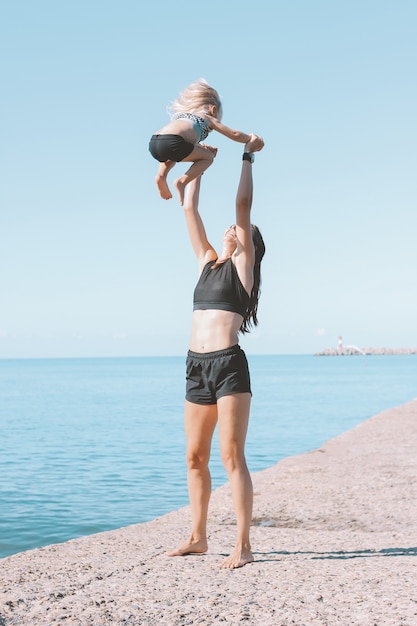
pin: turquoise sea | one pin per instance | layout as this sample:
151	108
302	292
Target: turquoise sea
89	445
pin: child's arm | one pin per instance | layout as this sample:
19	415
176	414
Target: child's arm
235	135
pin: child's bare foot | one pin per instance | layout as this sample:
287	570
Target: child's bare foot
238	558
189	547
180	187
161	183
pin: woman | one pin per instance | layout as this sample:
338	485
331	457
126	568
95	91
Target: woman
218	382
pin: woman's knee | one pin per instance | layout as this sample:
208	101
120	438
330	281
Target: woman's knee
197	460
232	460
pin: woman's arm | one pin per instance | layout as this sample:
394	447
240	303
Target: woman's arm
244	196
203	250
245	253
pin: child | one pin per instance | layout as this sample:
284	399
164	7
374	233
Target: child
195	113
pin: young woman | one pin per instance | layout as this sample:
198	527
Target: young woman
195	113
218	383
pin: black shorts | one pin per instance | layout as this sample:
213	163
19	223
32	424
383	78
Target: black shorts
169	148
212	375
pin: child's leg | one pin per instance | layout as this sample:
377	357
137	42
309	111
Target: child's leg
202	158
161	179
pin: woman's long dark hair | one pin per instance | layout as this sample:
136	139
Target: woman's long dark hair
251	317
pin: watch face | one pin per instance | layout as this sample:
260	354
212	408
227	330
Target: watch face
249	156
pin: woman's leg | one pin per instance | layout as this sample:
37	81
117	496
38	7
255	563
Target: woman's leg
233	419
200	422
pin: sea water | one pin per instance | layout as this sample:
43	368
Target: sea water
89	445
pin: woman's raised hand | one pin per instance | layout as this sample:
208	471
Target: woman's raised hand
254	144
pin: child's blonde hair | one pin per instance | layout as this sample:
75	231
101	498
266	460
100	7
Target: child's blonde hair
195	98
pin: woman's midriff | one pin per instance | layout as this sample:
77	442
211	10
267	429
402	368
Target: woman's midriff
213	330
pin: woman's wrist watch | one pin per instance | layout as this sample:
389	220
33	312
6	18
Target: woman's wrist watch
248	156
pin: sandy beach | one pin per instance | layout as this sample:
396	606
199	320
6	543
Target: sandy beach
334	537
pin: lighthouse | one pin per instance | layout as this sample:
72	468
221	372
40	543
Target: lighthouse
340	344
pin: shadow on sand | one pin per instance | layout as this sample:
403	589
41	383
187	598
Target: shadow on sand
340	554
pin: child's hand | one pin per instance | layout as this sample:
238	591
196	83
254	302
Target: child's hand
211	148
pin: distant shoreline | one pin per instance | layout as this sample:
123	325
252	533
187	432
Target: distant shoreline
355	351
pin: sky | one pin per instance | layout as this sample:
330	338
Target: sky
93	263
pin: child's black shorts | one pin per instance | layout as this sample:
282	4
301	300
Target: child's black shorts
211	375
169	148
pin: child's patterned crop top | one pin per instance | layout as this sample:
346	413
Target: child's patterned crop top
200	124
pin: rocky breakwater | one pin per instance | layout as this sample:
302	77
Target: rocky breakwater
355	351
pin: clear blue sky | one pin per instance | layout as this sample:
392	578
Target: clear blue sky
94	263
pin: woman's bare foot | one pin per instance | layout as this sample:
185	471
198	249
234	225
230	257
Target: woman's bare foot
180	187
189	547
161	183
238	558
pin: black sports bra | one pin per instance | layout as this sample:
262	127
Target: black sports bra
221	288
